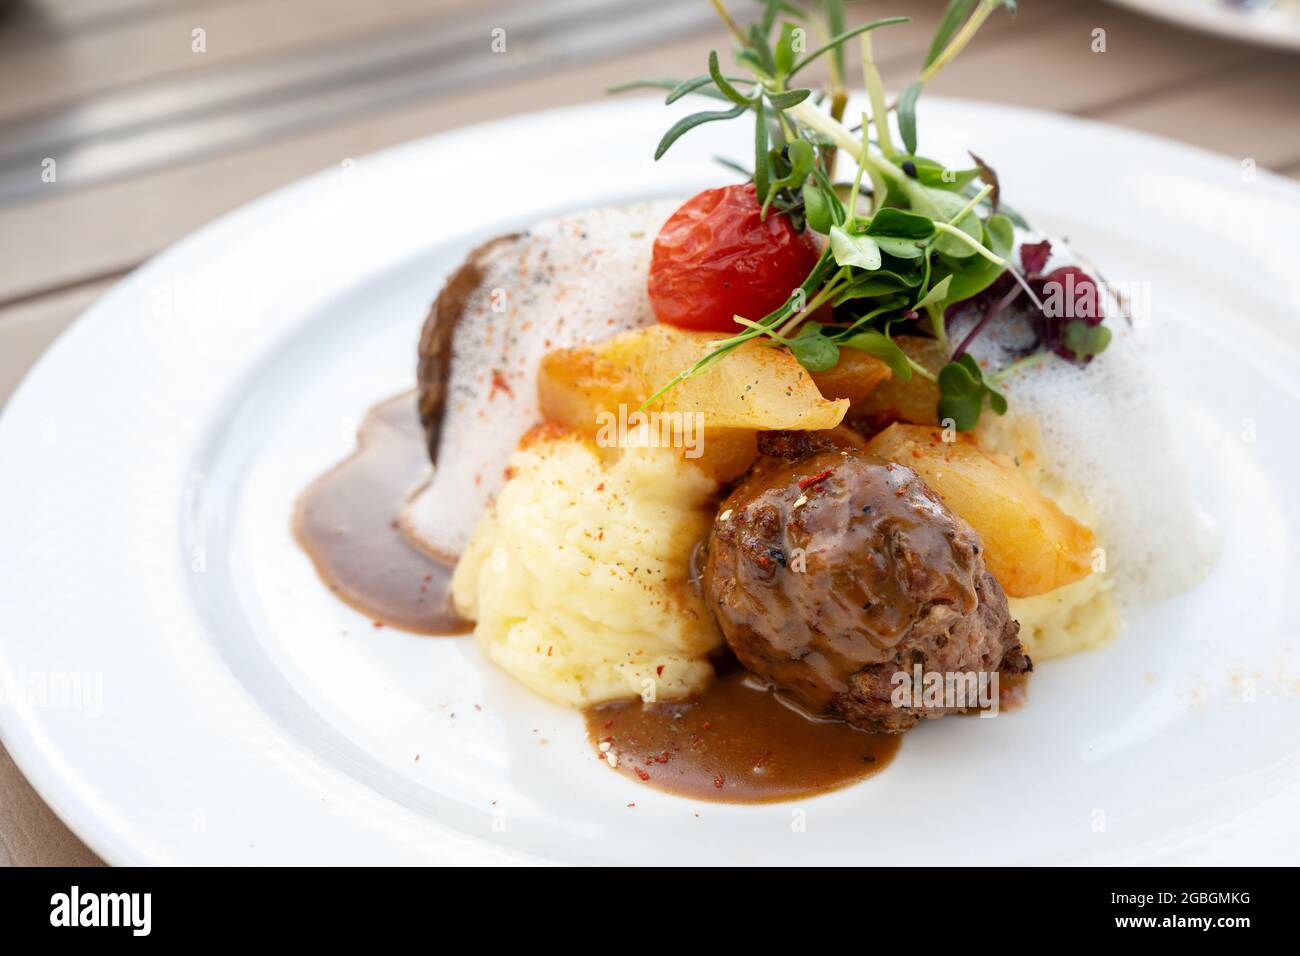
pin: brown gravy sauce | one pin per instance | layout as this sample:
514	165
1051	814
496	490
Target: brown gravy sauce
346	521
737	742
734	743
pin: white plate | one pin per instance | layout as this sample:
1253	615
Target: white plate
148	465
1275	23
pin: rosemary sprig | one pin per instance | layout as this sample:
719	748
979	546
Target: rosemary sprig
929	236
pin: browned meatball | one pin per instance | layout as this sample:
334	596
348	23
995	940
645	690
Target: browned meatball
829	571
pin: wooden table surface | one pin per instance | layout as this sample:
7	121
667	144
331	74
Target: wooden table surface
62	244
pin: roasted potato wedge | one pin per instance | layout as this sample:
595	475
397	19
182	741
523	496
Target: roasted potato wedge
894	400
575	384
855	376
755	388
1031	545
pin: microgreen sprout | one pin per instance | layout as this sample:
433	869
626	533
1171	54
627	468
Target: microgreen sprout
905	241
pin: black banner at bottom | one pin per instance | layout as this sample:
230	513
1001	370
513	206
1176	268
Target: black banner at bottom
332	904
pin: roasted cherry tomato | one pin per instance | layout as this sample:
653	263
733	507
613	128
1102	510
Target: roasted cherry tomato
716	257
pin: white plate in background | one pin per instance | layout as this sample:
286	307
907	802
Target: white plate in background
182	689
1269	22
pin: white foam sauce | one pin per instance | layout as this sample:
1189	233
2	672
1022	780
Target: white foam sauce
1107	432
570	280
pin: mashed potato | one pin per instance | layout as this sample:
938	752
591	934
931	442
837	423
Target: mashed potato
577	577
1079	616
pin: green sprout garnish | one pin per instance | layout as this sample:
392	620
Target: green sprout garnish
905	240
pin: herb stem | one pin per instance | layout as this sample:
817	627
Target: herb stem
1029	290
829	290
987	317
978	198
958	42
734	27
843	138
861	321
876	96
839	100
839	95
977	246
1029	361
786	129
920	369
938	325
832	129
857	184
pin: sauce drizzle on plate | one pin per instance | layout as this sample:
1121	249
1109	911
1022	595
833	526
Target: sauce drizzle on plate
735	743
347	522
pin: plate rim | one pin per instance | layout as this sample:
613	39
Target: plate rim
24	734
1205	17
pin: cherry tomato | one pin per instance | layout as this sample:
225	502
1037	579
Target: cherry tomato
715	258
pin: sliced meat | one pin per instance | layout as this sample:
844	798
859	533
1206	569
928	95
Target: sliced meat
433	370
566	281
833	572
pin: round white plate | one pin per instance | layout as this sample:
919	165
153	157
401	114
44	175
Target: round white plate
181	688
1269	22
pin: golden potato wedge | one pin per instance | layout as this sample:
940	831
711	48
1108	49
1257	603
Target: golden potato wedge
725	453
855	376
753	387
1031	545
915	400
574	384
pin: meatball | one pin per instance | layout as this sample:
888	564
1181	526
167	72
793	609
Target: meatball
830	571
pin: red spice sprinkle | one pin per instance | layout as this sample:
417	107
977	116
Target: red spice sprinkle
659	670
718	781
499	384
609	724
641	773
708	725
377	624
662	758
805	483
